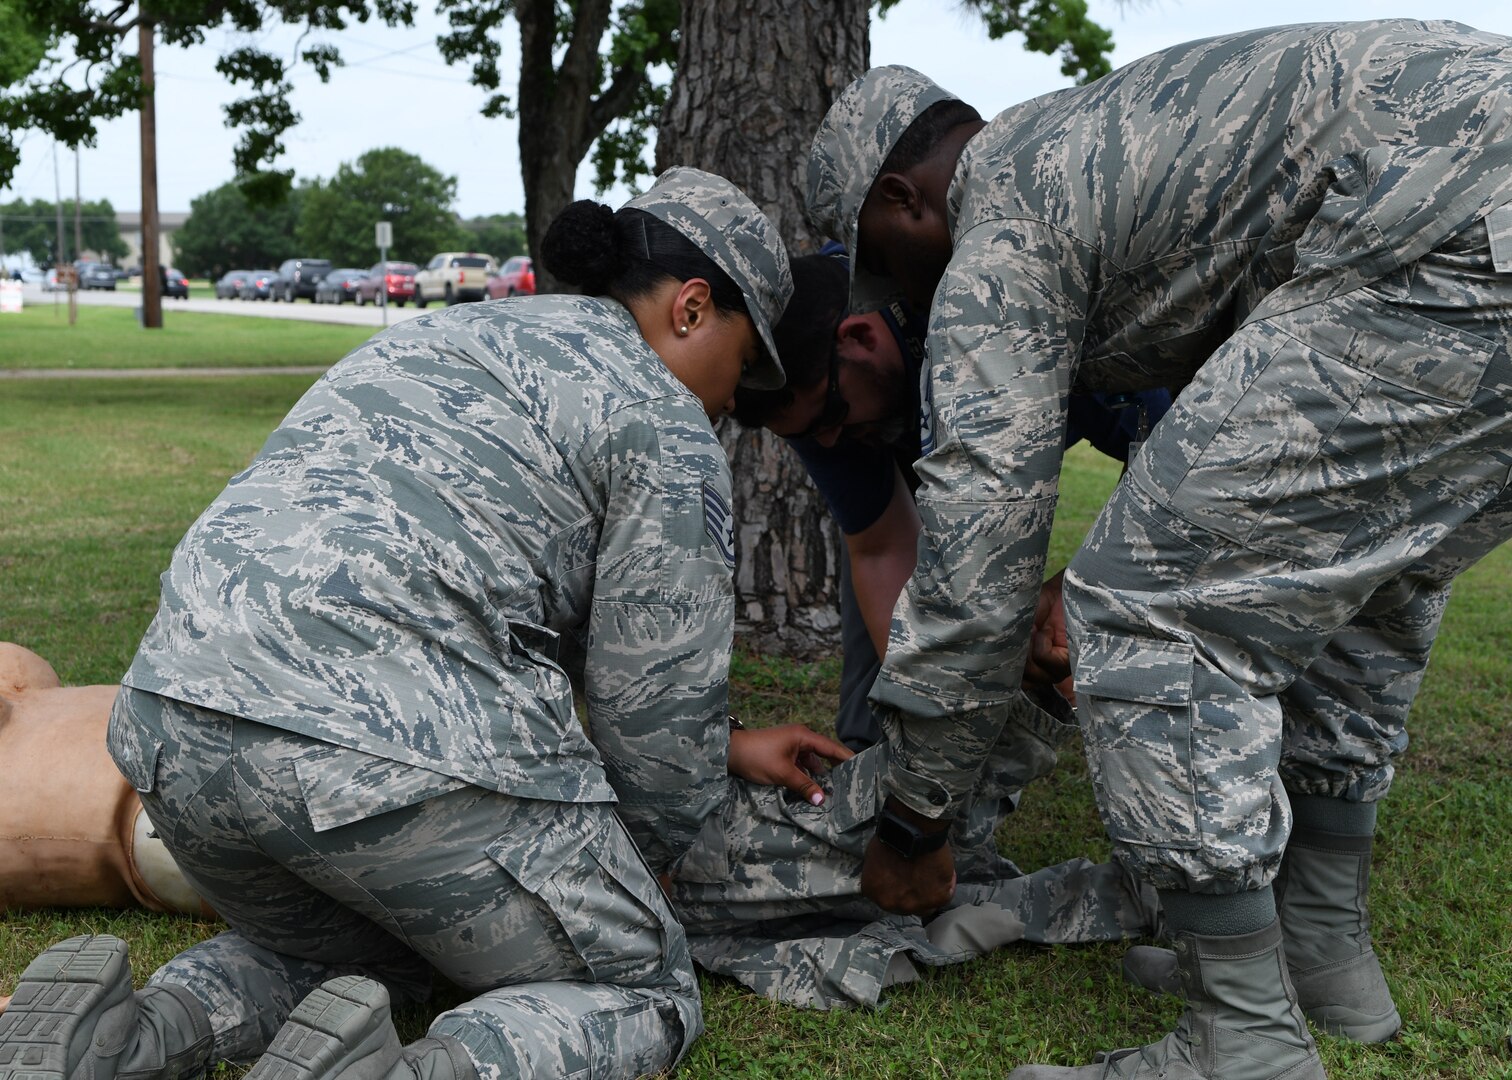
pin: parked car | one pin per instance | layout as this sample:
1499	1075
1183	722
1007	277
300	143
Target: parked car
94	275
175	284
259	285
515	278
339	286
454	276
396	278
299	277
230	284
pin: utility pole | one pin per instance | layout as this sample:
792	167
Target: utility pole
152	282
78	228
58	260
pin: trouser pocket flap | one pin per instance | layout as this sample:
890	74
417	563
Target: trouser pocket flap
1134	669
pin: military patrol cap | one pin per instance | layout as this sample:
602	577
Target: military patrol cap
731	230
859	131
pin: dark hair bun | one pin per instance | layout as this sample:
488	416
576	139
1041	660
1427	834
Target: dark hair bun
580	247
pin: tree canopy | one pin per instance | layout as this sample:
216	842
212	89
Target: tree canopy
334	219
501	235
91	70
226	232
22	46
585	80
33	227
337	216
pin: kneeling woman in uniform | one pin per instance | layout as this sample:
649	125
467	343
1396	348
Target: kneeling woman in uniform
351	722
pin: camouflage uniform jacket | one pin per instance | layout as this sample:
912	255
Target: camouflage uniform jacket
396	569
1109	238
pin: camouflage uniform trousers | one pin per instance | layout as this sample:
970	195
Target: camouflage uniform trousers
1252	612
545	910
1023	753
771	895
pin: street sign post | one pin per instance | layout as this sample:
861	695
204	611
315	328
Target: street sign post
384	236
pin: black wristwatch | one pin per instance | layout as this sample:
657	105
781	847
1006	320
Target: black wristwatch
906	838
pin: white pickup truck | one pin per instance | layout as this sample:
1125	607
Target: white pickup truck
454	276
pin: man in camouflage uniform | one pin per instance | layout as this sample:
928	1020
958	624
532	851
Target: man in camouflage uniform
1314	226
351	724
850	411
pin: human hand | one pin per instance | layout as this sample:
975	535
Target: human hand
785	756
1049	660
918	886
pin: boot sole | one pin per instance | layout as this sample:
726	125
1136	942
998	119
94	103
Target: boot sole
71	981
331	1032
1345	1023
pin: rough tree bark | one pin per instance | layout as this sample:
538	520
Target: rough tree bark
558	104
753	81
572	85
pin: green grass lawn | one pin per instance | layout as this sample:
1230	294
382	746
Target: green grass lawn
109	337
99	479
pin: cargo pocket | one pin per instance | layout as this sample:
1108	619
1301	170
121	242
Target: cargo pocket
850	792
585	869
850	804
707	862
1025	750
1135	697
636	1040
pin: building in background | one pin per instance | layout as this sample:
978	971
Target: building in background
130	222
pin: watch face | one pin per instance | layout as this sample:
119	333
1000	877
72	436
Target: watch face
896	834
906	838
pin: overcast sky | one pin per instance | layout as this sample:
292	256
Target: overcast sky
396	91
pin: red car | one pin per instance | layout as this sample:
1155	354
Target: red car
396	278
515	278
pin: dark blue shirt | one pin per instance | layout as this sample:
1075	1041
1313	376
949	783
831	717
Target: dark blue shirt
856	479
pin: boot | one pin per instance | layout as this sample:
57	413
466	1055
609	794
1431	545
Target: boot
74	1016
1241	1021
1152	968
1321	893
344	1030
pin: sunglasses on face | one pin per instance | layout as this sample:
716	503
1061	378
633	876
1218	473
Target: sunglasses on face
836	408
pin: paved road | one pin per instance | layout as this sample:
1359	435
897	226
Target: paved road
346	314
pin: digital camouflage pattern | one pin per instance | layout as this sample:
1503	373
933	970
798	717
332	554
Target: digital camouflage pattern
1238	618
857	133
544	911
1221	206
771	895
729	228
451	514
351	719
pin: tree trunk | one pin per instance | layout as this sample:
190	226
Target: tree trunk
555	110
152	281
753	81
